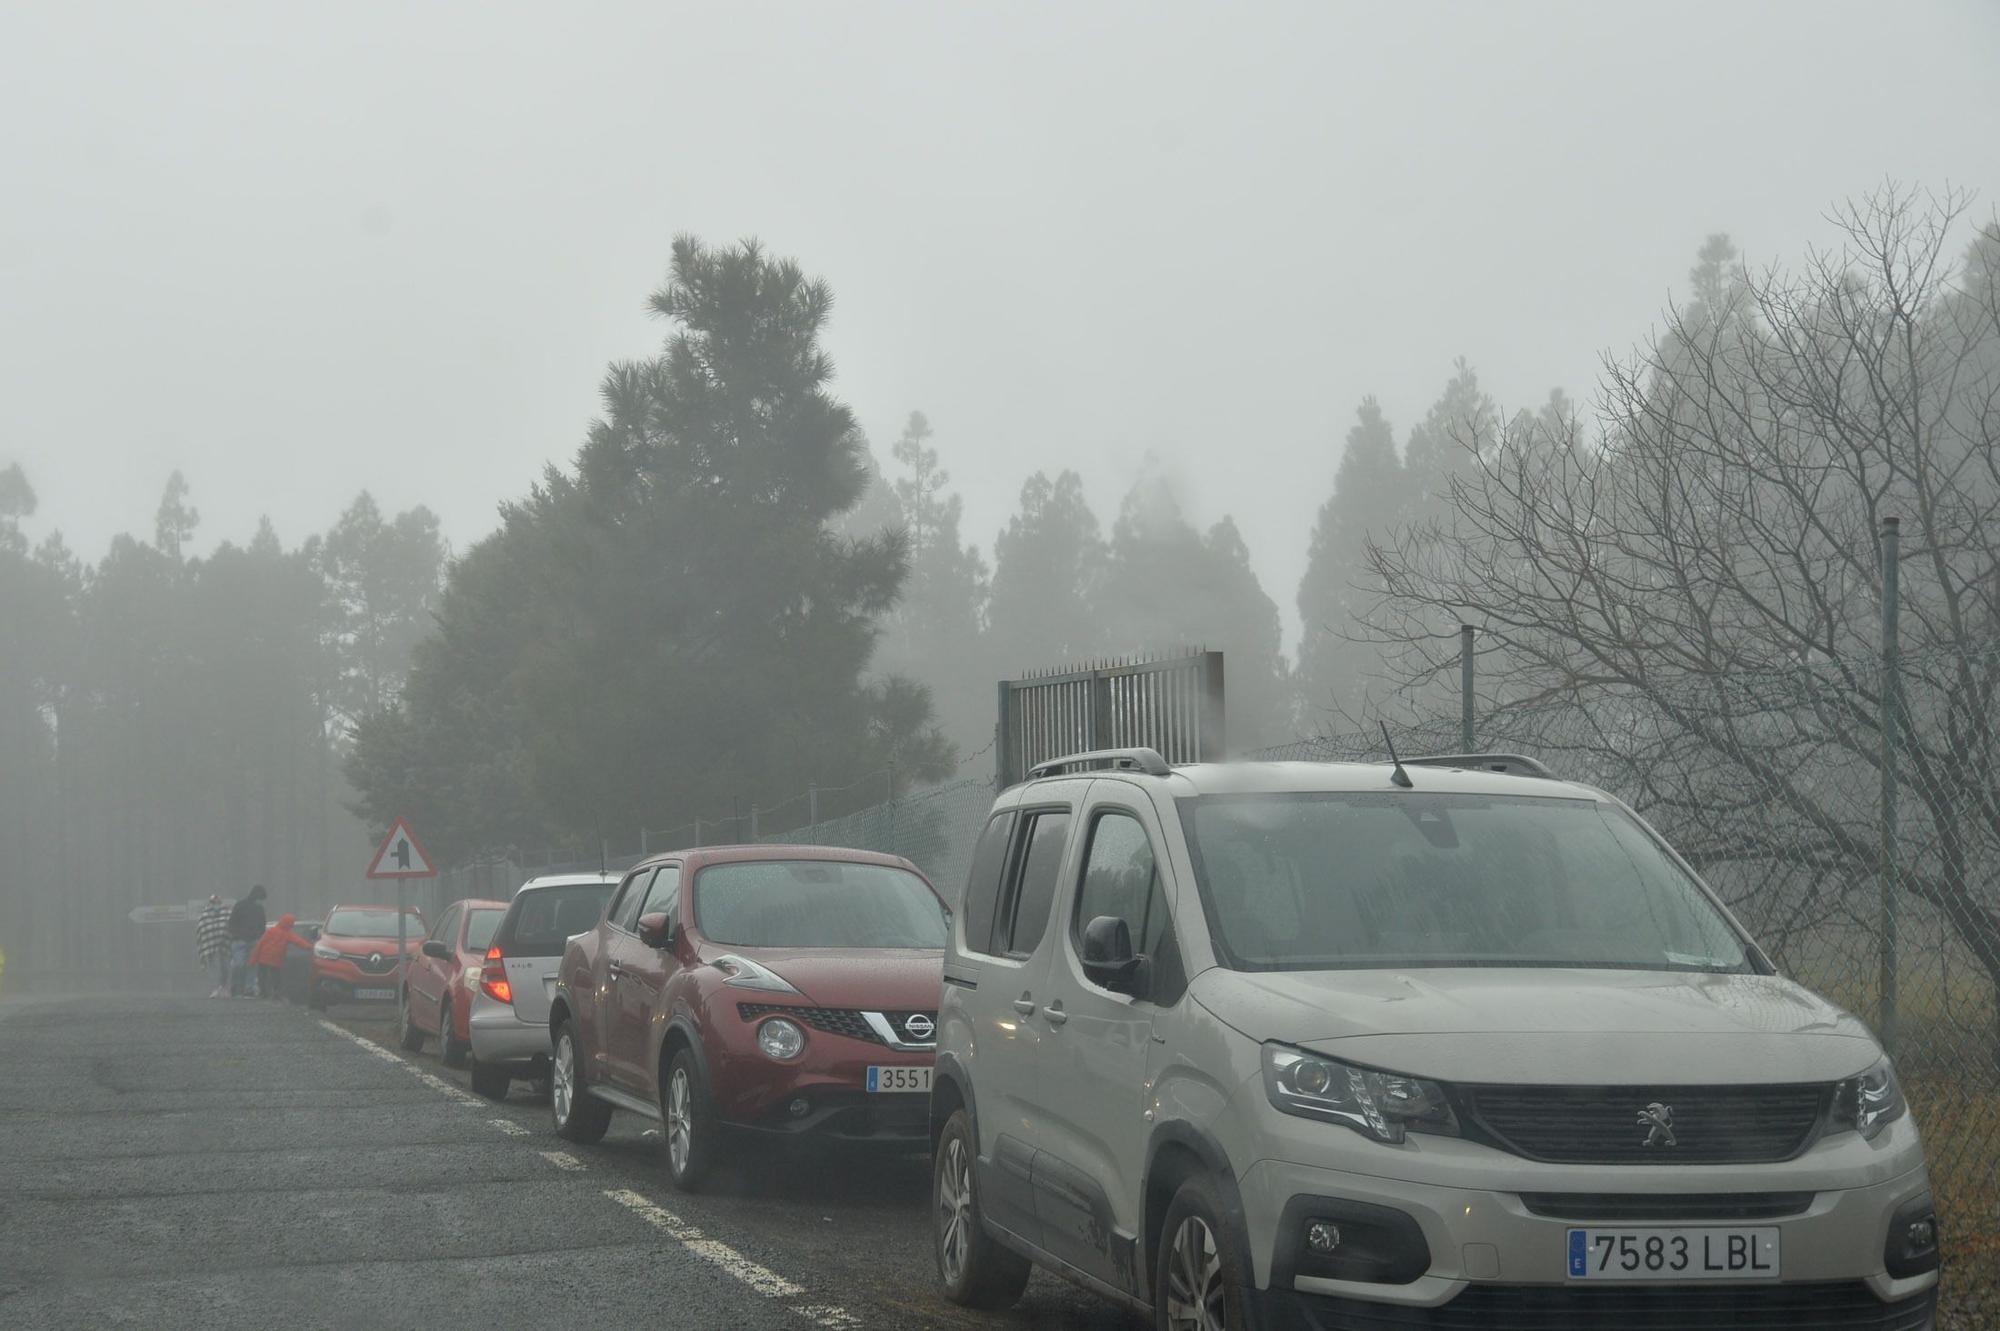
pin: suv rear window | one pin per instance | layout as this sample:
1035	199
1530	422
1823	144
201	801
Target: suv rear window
542	919
1331	881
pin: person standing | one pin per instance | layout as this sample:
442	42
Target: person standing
211	943
269	954
246	927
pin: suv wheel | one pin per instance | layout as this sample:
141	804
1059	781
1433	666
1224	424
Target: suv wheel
579	1116
977	1272
1200	1277
453	1051
689	1120
413	1036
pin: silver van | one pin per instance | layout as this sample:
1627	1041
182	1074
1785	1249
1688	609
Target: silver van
1449	1044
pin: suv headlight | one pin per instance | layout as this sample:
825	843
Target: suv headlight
325	952
1383	1105
781	1039
1870	1102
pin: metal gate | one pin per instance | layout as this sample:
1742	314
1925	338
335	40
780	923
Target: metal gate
1174	705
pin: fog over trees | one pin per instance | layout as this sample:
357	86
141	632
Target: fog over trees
727	593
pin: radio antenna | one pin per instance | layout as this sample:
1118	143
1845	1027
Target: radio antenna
1399	776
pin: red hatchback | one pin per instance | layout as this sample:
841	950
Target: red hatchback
787	991
445	976
355	957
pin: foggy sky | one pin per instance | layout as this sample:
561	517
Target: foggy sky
301	250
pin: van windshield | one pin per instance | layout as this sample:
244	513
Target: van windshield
1341	881
816	903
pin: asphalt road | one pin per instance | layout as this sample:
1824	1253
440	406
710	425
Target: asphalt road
175	1162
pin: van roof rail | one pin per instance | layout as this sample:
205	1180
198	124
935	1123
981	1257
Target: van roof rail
1148	761
1508	764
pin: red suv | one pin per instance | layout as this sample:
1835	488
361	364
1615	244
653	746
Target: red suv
355	957
445	976
788	991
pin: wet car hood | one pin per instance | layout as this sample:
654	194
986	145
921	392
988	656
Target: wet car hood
880	980
1570	1027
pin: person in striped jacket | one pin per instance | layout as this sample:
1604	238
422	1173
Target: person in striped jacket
211	942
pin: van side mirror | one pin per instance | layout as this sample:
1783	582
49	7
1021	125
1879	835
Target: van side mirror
656	929
1108	958
434	947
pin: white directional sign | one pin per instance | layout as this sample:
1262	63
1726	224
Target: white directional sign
178	914
400	855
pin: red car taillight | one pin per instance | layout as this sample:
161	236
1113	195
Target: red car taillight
493	978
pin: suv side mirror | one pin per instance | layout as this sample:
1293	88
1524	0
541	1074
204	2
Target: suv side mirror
1108	958
435	948
656	929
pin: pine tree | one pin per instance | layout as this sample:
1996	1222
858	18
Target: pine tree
1368	494
1046	566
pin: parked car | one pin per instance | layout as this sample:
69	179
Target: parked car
787	991
295	974
444	976
1445	1044
355	957
509	1022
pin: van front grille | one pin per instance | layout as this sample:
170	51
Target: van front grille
1650	1125
1640	1206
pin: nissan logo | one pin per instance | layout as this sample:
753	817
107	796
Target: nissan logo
919	1028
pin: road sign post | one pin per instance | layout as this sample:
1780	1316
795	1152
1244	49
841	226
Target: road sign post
402	857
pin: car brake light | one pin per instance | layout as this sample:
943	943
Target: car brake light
493	977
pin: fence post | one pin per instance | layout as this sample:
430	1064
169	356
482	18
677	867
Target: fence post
697	833
1892	700
1213	739
645	847
1100	710
812	804
755	823
1003	740
1465	710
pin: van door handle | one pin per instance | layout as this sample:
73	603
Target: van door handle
1055	1014
1025	1006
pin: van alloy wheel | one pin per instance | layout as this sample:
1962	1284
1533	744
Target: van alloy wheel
680	1120
954	1216
1195	1290
562	1078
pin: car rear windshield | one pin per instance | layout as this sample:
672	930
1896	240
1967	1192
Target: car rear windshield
542	919
480	927
359	922
1334	881
816	903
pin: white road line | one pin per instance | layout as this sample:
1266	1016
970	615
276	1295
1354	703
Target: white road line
438	1084
821	1314
509	1127
562	1160
762	1279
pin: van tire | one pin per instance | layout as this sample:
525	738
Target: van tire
578	1115
1198	1260
977	1272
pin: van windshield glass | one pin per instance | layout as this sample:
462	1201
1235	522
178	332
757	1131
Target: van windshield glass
1341	881
816	903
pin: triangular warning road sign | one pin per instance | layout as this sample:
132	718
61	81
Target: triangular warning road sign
400	856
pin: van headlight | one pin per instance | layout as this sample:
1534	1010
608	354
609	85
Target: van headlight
1870	1102
1382	1105
325	952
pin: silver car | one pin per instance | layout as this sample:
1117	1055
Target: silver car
510	1006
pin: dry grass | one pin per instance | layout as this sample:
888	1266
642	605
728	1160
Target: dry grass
1961	1129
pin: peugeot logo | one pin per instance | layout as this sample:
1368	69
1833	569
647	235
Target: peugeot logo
1659	1120
919	1027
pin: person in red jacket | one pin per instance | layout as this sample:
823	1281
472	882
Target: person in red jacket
269	954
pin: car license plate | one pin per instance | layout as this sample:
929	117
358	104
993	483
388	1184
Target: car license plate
1674	1253
374	993
881	1080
